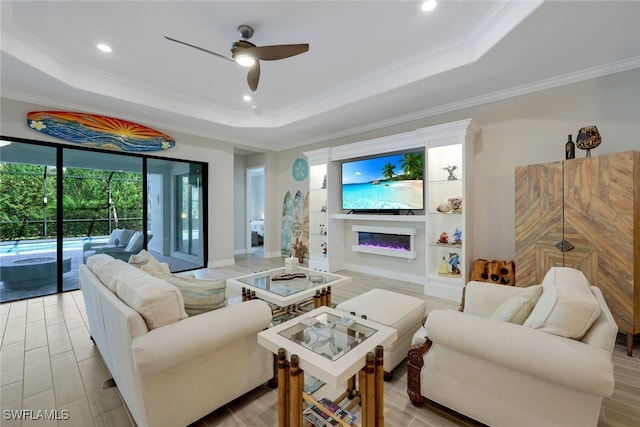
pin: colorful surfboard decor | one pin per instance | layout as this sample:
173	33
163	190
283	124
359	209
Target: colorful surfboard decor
99	131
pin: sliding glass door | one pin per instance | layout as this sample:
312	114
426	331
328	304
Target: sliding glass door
60	205
102	197
176	208
28	227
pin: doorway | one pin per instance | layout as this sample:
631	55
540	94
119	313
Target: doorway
255	210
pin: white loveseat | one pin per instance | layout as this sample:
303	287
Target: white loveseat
506	374
170	369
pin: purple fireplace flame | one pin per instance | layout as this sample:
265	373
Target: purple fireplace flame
396	242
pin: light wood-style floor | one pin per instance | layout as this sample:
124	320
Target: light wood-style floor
47	362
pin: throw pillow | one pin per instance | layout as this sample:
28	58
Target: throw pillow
199	295
147	262
136	243
120	237
517	308
567	307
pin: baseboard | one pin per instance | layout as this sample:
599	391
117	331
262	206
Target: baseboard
221	263
411	278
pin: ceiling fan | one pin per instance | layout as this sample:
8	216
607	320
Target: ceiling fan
249	55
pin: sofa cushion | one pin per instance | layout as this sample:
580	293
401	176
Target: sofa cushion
95	262
108	272
147	262
199	295
517	308
567	307
158	302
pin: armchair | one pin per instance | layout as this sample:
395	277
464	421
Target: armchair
133	244
506	374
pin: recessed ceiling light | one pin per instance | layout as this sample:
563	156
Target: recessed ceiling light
247	98
104	47
429	5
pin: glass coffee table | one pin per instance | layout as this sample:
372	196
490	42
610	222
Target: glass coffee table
335	347
289	291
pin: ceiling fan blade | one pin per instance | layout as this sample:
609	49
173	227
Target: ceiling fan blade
199	48
254	76
272	53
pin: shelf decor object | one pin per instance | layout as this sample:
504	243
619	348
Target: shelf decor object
588	138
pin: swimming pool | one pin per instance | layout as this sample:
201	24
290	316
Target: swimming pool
15	247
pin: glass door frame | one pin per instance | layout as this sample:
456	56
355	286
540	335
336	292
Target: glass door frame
59	150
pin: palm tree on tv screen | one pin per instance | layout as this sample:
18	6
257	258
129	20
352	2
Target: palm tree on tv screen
412	165
387	170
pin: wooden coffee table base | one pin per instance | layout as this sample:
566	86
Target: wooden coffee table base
370	394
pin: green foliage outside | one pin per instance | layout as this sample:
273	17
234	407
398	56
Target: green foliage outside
85	204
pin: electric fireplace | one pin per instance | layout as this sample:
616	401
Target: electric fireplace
387	241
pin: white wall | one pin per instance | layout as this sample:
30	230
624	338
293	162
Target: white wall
239	227
523	130
218	155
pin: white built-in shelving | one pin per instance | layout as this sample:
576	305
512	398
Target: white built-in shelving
445	145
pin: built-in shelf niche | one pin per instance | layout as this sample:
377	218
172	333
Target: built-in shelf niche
396	242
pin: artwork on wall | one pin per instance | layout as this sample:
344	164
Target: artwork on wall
99	131
300	169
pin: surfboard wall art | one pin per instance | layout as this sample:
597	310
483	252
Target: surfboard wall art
99	131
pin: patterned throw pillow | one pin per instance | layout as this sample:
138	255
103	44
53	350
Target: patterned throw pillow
199	295
517	308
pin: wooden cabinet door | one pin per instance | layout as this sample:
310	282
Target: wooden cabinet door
599	223
538	221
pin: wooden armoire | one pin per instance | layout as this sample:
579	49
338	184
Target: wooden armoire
584	213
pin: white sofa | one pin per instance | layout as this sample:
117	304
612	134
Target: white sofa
505	374
170	369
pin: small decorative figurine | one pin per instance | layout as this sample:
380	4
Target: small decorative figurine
450	169
444	268
443	207
324	248
444	238
299	250
457	237
324	182
456	204
454	259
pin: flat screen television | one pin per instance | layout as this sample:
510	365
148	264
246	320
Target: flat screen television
385	183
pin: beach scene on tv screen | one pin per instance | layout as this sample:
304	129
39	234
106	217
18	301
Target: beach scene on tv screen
386	182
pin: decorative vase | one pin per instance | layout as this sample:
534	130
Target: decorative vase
588	138
569	149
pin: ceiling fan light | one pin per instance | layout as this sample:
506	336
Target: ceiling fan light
245	60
